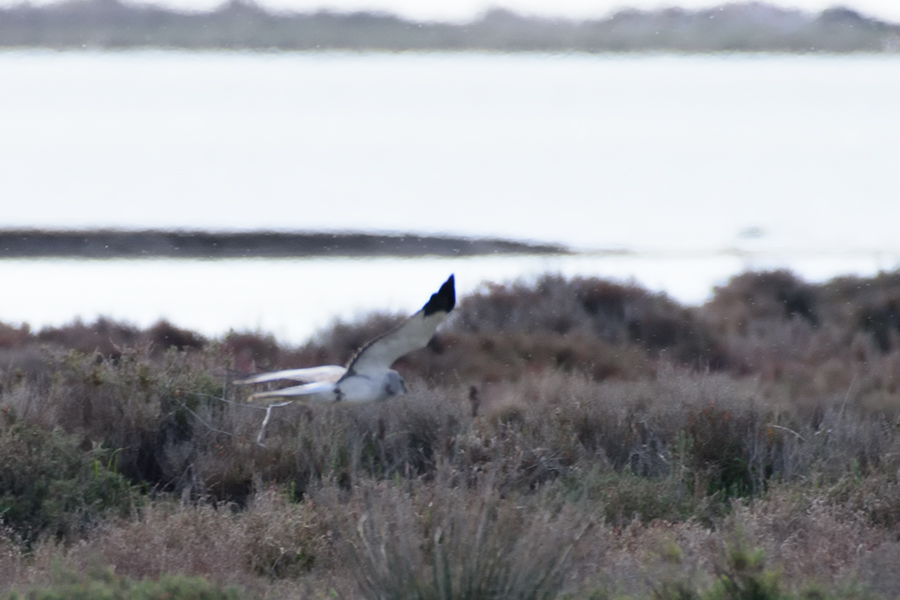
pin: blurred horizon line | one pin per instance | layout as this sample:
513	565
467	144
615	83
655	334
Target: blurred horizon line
247	24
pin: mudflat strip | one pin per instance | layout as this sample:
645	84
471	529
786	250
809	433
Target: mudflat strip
99	244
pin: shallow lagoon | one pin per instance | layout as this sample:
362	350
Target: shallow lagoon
698	166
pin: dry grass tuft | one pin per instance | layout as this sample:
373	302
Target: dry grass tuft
447	541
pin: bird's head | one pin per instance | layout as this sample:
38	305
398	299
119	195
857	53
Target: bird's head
394	384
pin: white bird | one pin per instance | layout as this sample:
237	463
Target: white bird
368	376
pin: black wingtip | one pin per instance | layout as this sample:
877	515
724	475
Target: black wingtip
443	300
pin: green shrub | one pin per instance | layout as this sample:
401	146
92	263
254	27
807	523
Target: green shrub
744	577
50	485
740	575
104	585
625	496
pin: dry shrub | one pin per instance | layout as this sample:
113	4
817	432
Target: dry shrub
867	304
808	536
813	339
845	440
12	337
20	363
601	314
750	298
708	425
692	435
273	539
253	351
783	546
11	557
876	496
103	336
878	570
168	538
445	541
306	445
286	539
627	498
507	356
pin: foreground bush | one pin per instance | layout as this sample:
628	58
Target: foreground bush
445	542
107	586
50	485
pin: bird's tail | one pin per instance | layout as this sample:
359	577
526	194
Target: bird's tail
319	390
306	375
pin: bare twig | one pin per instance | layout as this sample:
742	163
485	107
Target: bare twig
800	437
262	430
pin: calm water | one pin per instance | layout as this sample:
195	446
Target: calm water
703	166
294	298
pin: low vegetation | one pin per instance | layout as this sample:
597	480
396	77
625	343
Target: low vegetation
565	438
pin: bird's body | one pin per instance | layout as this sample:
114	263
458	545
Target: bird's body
356	388
368	377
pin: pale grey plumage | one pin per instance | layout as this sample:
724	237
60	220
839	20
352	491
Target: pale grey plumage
368	377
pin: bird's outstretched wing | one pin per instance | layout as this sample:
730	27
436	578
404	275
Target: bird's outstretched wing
308	375
414	333
322	389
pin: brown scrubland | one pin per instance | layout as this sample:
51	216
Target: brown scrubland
562	439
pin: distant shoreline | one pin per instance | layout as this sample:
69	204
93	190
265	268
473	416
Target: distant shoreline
245	25
111	244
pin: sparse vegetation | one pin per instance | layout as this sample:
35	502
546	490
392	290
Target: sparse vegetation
574	438
105	584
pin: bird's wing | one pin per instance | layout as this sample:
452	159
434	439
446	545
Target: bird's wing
318	388
309	375
412	334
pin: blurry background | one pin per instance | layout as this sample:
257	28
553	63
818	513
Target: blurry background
669	146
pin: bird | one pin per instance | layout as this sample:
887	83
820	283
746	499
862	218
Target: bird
368	376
